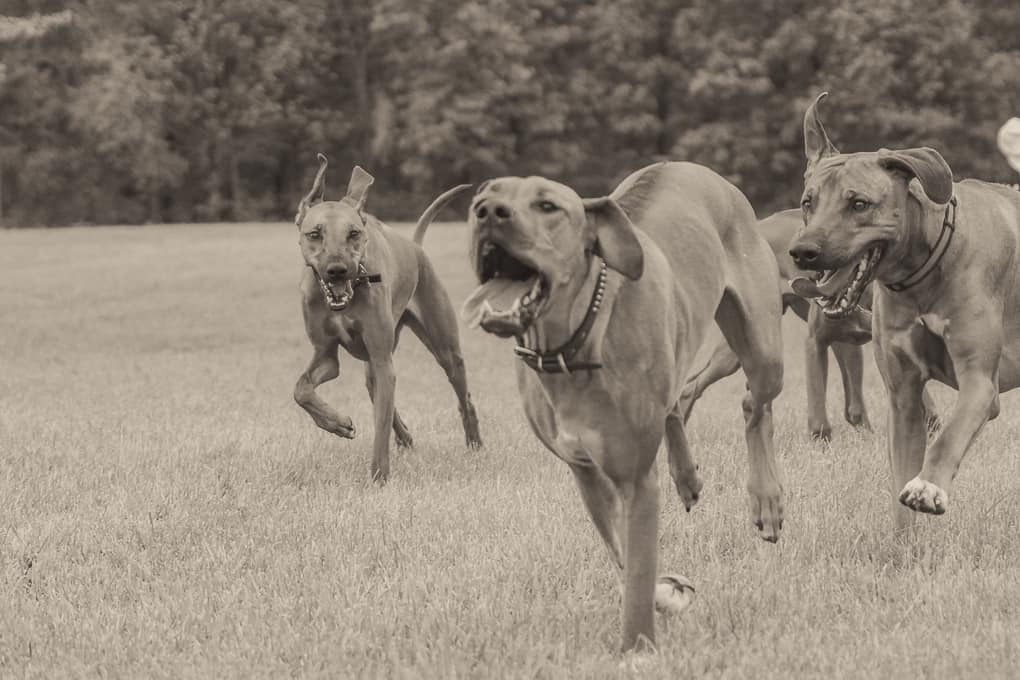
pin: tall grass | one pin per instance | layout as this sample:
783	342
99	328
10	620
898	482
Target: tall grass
166	510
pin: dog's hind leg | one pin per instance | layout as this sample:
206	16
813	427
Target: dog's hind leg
721	364
749	316
682	467
433	320
325	366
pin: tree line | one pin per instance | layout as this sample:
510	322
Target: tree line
208	110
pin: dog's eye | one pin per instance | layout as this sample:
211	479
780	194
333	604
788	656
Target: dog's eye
547	206
860	205
353	235
806	203
314	235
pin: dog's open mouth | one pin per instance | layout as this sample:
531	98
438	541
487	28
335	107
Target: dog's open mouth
338	295
510	296
839	290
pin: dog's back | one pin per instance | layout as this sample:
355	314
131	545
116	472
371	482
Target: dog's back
779	229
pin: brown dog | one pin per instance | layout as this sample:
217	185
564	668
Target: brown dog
625	288
845	337
363	283
948	305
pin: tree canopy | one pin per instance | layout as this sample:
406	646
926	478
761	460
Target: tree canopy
184	110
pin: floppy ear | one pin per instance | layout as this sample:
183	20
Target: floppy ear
615	239
816	142
315	195
357	188
927	165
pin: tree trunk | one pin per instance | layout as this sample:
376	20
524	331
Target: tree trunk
238	209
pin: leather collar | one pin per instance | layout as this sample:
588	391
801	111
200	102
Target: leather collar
934	255
561	359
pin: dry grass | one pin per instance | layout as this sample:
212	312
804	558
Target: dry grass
166	510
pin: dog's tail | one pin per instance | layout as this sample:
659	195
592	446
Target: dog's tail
430	212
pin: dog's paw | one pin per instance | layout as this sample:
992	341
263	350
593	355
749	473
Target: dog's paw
922	496
820	431
688	486
344	428
673	594
767	514
858	419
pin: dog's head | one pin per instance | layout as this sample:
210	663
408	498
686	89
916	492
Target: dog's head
855	211
530	240
333	235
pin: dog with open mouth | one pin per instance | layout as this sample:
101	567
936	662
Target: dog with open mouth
944	259
363	283
844	334
608	300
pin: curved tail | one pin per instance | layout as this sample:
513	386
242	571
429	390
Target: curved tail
430	212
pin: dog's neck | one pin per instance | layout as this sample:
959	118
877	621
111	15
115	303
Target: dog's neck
922	226
567	307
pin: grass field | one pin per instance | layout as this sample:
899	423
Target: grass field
166	510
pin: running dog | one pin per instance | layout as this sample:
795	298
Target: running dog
947	303
363	283
609	300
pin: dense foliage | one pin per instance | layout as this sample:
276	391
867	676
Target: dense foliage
213	109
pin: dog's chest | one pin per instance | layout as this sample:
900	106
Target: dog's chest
349	332
584	426
923	344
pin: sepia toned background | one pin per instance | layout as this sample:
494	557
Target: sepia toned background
208	110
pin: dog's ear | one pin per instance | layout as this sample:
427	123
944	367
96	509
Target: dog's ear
315	195
357	188
927	165
816	142
616	241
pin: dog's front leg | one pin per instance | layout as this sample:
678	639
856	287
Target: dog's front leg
978	400
974	345
907	432
325	365
384	389
816	355
851	368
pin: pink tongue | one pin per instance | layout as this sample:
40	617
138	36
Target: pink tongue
805	287
499	293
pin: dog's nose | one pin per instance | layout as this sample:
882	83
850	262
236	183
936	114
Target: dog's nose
336	271
498	211
806	255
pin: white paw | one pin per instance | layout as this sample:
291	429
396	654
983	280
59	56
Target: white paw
923	496
673	594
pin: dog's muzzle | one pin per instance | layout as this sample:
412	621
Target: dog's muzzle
511	293
839	291
340	295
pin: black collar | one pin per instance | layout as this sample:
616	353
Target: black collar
364	277
934	255
560	360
